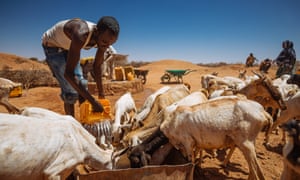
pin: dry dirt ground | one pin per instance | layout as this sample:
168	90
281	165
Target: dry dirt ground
270	160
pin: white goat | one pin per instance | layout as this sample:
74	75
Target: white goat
6	86
159	155
219	123
124	105
151	121
37	147
147	106
286	90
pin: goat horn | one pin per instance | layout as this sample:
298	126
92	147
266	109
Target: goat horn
125	126
261	76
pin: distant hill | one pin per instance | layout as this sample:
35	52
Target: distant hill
31	73
13	62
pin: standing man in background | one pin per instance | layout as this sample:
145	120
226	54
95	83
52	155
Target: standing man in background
62	45
286	59
250	60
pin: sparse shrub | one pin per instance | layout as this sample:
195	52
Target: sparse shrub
138	63
6	68
218	64
20	60
34	59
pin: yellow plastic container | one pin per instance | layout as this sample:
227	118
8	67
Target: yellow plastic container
119	73
87	116
83	61
17	91
129	76
129	72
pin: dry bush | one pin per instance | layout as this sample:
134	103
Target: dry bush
30	78
137	63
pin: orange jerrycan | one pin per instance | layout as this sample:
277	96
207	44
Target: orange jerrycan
87	116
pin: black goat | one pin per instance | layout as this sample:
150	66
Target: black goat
140	155
294	79
291	151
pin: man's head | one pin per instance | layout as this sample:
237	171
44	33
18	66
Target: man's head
108	23
108	31
285	44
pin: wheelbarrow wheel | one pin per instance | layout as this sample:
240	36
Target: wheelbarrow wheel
143	78
165	78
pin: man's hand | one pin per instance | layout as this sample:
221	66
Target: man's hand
97	107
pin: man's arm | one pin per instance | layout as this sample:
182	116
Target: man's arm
99	59
72	61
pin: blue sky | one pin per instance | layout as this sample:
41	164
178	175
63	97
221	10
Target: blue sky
199	31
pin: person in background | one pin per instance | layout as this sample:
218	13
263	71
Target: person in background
250	60
62	45
265	65
88	63
108	64
286	59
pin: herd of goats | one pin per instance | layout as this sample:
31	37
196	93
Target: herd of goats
227	112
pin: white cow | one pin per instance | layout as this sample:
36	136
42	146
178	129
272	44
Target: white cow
219	123
33	146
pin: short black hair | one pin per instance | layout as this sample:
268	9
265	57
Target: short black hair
108	23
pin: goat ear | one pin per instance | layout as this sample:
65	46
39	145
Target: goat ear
141	123
145	158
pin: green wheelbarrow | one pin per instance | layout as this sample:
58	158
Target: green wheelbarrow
176	74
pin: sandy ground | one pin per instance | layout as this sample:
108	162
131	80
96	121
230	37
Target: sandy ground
270	160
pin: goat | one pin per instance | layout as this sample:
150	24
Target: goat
124	105
294	79
225	122
151	122
6	86
291	151
34	146
292	111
